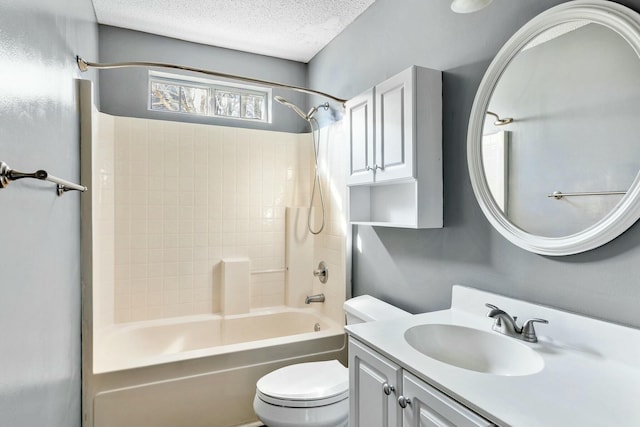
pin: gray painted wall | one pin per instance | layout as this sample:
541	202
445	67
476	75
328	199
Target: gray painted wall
124	92
40	233
416	269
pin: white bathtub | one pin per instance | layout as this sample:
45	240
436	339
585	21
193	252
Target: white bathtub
201	370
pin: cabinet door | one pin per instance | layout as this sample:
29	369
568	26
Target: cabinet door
359	115
371	377
428	407
395	130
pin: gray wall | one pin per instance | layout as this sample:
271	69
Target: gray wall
40	233
416	269
124	92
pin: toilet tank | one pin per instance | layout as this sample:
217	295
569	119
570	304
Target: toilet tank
366	308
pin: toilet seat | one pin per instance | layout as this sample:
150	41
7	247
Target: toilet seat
305	385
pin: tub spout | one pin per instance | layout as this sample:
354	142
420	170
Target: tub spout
314	298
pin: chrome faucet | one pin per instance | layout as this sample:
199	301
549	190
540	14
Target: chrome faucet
314	298
506	325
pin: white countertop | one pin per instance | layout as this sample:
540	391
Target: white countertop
590	378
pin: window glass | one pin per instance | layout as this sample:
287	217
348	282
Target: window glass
174	93
252	106
227	104
194	100
165	97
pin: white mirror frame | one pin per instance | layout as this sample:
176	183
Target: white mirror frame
618	18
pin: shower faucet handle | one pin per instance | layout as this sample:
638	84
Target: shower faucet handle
322	272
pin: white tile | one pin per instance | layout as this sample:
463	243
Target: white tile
201	281
202	268
170	297
170	283
122	315
123	301
170	268
139	285
138	300
185	269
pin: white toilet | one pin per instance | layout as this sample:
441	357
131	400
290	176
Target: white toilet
315	394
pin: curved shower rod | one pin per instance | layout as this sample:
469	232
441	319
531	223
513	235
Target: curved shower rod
85	65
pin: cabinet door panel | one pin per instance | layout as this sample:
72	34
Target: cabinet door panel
395	144
392	117
369	406
370	382
431	408
359	113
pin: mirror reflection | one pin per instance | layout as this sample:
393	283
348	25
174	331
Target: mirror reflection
573	94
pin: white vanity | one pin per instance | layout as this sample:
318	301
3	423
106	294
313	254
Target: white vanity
453	369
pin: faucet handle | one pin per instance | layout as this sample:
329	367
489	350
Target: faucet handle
494	310
322	273
529	332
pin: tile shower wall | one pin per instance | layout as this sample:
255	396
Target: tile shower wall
330	245
187	196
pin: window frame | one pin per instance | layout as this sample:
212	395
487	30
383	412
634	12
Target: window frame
211	86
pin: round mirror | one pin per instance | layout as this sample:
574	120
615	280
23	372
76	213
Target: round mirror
554	132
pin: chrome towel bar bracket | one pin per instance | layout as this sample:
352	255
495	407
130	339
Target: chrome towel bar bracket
7	175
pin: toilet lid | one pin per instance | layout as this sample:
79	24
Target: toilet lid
305	382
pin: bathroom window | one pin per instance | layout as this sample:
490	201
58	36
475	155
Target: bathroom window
180	94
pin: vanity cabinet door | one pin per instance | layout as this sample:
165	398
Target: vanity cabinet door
374	386
359	118
428	407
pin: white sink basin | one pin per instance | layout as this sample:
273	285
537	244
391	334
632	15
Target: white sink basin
474	349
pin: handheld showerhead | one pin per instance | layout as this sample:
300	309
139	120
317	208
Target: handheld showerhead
315	137
294	107
298	111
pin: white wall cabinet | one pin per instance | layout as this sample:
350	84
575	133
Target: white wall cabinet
382	394
395	141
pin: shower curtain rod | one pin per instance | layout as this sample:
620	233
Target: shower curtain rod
85	65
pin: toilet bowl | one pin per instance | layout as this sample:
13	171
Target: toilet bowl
315	394
311	394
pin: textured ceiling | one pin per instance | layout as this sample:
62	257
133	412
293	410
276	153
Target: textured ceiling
291	29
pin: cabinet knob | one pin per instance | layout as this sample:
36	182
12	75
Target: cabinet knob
374	168
388	389
404	401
